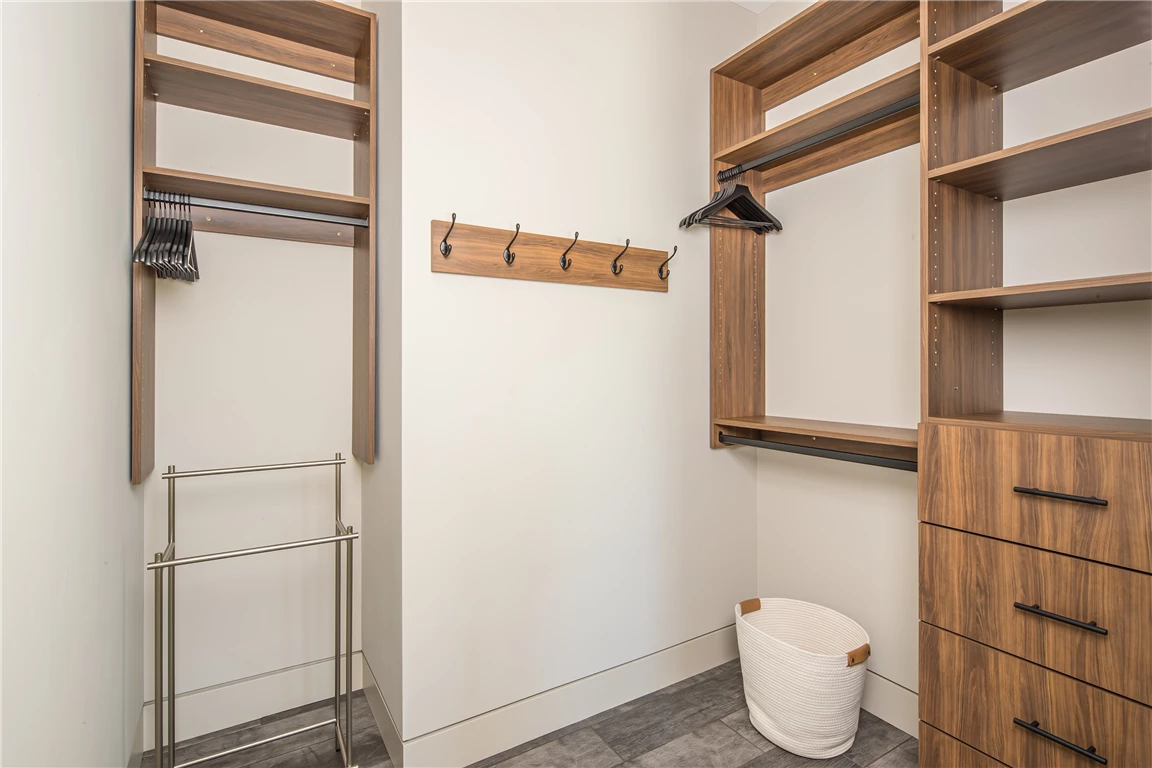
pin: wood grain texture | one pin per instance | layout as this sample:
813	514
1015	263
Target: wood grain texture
479	251
811	35
943	19
271	227
736	271
865	433
884	38
1104	150
967	476
857	104
1092	290
325	24
1057	423
968	585
1040	38
196	86
174	22
253	192
364	262
964	360
939	750
972	692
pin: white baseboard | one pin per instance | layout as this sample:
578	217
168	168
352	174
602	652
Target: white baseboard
500	729
221	706
892	703
385	723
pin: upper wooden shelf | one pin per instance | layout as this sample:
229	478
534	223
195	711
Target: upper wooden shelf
1040	38
323	24
253	192
1095	290
896	437
822	41
185	84
1105	150
1060	423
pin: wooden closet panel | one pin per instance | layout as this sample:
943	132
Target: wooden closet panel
939	750
969	583
967	476
973	692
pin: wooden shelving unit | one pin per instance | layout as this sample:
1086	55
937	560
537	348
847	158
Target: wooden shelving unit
860	439
1057	423
1040	38
317	36
1092	290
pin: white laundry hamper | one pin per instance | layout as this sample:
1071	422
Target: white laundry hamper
803	674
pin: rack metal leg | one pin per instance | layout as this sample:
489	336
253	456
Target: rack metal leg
172	623
158	671
336	654
348	735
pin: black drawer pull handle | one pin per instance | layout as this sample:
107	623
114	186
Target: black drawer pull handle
1061	496
1034	726
1036	609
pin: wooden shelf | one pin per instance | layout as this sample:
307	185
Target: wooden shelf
1105	150
1040	38
251	98
1094	290
253	192
861	439
1060	423
819	43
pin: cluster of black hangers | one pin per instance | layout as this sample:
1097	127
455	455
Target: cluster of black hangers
738	200
167	244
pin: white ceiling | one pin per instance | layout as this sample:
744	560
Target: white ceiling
754	7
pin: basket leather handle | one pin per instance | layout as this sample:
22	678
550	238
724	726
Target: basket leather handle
859	655
749	606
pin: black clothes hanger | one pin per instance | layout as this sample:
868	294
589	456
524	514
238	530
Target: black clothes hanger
737	199
168	245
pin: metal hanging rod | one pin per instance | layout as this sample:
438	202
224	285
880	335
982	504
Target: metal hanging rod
265	210
250	551
824	453
831	133
255	468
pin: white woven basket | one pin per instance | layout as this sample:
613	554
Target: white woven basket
803	674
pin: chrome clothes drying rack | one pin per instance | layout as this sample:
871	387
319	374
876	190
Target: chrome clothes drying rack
167	561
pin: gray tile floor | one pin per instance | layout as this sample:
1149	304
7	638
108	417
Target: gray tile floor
701	722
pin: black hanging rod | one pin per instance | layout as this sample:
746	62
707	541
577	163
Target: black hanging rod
831	133
265	210
824	453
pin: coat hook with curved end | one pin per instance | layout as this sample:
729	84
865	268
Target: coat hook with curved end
565	263
665	272
445	246
618	268
510	257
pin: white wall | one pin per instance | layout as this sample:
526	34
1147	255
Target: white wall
842	343
73	572
563	512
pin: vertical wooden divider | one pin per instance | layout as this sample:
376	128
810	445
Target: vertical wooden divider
364	263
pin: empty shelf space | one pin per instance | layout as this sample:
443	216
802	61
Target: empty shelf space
830	123
1096	152
1059	423
1040	38
253	192
1093	290
251	98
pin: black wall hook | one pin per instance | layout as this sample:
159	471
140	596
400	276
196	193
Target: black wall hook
445	246
510	257
565	263
665	272
617	268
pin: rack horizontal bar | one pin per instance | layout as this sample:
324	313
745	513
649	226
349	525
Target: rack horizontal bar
264	210
254	468
260	743
824	453
251	551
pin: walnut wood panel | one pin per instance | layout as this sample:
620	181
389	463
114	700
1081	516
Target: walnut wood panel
857	104
969	583
939	750
143	406
175	23
1104	150
736	271
863	433
253	192
364	263
479	251
1040	38
195	86
940	20
325	24
964	360
1057	423
811	35
972	692
849	56
1092	290
967	476
869	141
272	227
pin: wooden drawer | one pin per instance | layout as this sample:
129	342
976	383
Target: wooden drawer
973	692
939	750
967	477
970	584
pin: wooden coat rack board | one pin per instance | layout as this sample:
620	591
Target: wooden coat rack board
479	251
